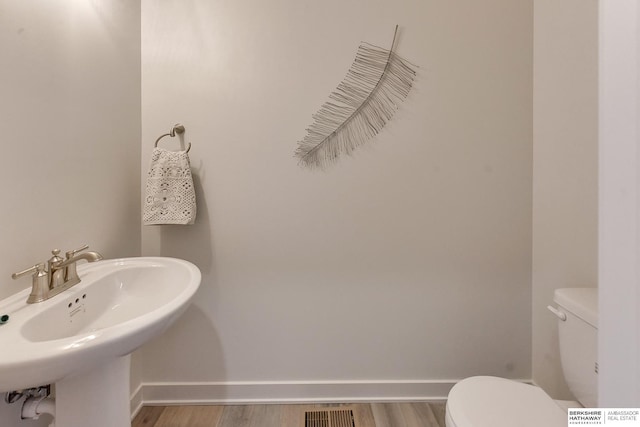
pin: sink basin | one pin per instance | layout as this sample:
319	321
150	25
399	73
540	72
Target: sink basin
118	306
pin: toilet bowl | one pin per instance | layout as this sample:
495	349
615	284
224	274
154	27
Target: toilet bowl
498	402
485	401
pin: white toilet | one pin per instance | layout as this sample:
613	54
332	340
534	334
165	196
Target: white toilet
498	402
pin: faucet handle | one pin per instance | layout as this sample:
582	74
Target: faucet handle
39	282
72	253
37	270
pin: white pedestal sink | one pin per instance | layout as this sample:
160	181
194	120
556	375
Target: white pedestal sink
81	339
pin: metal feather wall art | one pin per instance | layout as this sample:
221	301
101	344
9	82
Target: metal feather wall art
363	103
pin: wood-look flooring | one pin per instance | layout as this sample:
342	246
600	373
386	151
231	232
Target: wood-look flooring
405	414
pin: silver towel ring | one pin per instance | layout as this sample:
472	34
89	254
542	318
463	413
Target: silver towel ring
179	129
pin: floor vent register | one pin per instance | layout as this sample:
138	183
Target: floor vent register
330	418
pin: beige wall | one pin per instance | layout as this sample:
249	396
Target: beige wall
70	114
410	260
565	164
619	213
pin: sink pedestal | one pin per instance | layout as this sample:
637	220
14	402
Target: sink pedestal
96	398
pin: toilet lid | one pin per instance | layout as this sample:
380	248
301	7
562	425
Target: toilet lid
498	402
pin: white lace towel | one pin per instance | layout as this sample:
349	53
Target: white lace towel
169	195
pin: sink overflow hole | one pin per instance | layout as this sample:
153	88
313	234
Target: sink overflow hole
77	300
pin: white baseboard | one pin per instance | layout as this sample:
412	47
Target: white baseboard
235	392
136	401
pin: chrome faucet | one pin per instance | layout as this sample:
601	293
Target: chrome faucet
59	274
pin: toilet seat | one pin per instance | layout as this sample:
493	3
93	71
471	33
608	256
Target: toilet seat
499	402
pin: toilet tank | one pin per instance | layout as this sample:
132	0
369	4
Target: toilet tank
578	339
